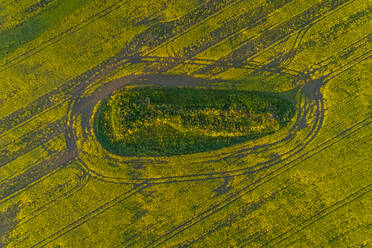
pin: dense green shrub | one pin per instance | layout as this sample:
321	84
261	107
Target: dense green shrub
173	121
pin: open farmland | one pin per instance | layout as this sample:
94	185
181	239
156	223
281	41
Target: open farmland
295	173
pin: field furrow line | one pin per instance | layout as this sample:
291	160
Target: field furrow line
90	215
277	34
39	211
321	214
75	85
249	188
350	65
34	175
254	17
31	141
55	39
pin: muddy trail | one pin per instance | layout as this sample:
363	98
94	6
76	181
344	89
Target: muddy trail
84	106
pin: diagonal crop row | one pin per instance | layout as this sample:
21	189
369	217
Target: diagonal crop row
90	215
319	215
30	141
150	39
280	32
33	175
249	188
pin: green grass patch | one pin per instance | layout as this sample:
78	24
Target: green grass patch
174	121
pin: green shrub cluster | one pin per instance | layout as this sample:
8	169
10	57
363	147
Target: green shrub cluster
174	121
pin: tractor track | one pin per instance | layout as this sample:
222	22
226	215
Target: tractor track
234	197
91	76
83	219
313	107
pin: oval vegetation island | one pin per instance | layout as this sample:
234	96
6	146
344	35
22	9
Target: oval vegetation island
174	121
